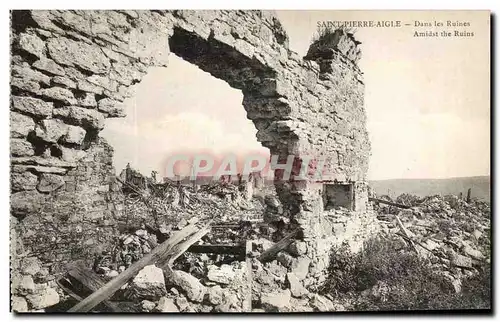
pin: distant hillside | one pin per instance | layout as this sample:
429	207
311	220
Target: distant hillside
424	187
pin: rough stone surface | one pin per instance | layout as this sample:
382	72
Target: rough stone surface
66	82
32	44
20	148
24	285
166	304
75	135
69	53
297	248
33	106
71	155
48	65
148	306
223	275
26	202
149	283
20	125
34	78
322	304
23	181
51	130
19	304
461	261
300	267
189	284
296	287
50	182
284	259
43	298
88	119
215	295
276	302
111	108
230	303
60	94
88	100
30	266
474	253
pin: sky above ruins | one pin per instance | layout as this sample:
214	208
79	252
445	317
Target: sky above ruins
427	101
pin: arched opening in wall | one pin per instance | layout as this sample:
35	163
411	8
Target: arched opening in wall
180	108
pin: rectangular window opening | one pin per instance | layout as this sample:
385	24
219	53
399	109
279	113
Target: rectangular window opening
338	196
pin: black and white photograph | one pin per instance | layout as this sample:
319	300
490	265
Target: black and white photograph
250	161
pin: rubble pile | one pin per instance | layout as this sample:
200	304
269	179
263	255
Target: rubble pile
209	282
233	275
279	285
453	234
171	203
31	289
197	282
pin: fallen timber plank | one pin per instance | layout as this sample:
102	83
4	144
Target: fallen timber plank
114	285
119	307
270	253
179	249
406	233
389	203
232	249
418	243
68	290
92	281
241	224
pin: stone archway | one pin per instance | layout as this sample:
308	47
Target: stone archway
73	69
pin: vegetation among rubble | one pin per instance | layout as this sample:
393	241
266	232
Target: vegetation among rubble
441	262
328	35
329	38
383	277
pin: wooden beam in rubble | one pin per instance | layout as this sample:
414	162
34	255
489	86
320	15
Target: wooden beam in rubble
161	252
270	253
390	203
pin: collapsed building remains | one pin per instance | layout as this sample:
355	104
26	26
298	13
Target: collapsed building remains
70	70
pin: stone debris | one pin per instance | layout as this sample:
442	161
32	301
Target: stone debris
461	261
148	306
278	301
43	298
222	275
148	284
217	282
25	285
30	265
189	284
215	295
296	287
166	304
19	304
321	303
300	267
473	253
447	230
284	259
297	248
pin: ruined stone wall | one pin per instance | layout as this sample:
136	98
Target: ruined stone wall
72	69
73	217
